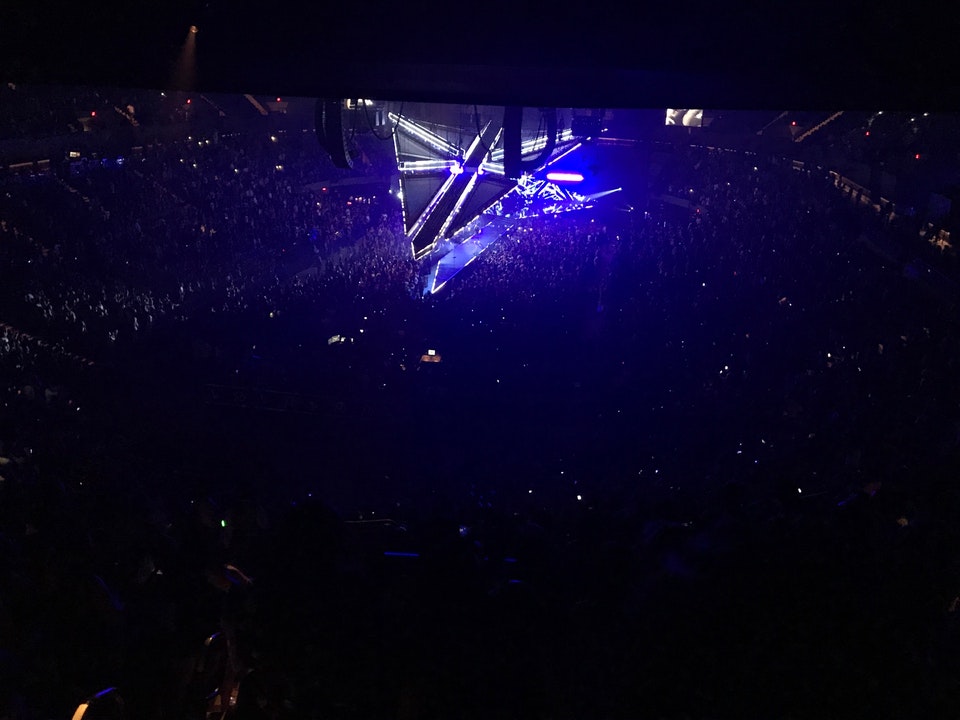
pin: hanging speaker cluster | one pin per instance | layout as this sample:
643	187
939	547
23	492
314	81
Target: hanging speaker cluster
329	123
514	165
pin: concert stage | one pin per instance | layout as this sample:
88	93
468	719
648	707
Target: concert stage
460	190
461	255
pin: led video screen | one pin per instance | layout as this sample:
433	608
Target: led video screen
684	117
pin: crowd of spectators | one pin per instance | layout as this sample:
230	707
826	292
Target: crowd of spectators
685	459
35	112
195	221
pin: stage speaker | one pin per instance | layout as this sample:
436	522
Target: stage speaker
513	163
583	126
329	122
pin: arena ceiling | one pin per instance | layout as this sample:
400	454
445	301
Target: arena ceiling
691	53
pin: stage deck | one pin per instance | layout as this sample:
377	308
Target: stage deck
462	254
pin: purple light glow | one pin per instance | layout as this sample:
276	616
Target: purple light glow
564	177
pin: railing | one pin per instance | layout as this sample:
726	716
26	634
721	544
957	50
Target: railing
772	122
127	116
803	136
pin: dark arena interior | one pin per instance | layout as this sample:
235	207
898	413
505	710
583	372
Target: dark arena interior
345	374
